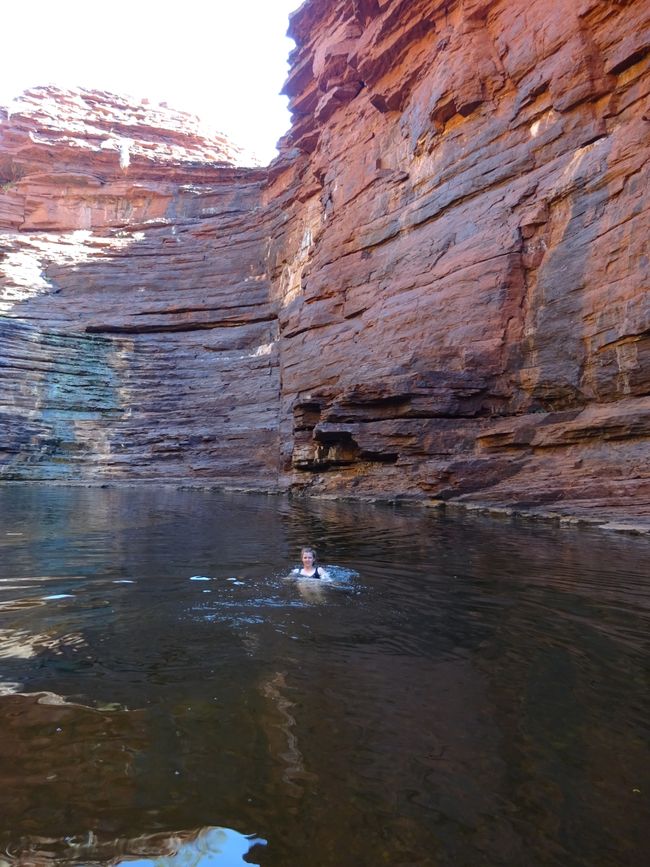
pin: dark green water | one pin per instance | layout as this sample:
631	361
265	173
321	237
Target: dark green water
467	692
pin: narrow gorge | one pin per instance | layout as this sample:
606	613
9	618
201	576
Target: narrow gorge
438	290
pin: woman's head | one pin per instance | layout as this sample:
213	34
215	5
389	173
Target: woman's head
308	556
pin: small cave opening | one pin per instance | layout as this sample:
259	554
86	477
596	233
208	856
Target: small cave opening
379	457
335	448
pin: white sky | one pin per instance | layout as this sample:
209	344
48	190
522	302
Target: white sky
224	60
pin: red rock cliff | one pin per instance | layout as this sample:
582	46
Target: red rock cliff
463	280
137	336
440	287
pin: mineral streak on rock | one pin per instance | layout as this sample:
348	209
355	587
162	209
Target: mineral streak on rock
439	288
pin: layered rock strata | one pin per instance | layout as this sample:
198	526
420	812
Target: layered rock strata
464	285
439	288
138	338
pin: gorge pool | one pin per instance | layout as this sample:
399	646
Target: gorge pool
468	691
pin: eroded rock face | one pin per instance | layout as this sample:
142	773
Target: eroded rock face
138	338
439	288
464	287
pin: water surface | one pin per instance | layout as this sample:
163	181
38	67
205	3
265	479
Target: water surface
467	692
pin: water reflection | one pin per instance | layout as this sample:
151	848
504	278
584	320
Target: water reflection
470	692
281	723
212	847
209	847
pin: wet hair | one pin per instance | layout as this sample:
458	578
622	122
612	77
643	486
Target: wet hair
308	550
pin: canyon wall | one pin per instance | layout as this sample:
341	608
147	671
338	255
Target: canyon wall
464	287
136	331
438	289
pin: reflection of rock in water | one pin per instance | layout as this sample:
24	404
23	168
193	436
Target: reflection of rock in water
286	747
58	760
209	846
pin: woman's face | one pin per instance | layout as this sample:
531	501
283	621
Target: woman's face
307	559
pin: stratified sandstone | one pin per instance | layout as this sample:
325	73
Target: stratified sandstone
137	336
438	289
463	278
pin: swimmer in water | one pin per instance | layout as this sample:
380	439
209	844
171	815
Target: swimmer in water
309	568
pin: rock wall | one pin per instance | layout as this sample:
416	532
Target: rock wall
439	288
463	289
137	335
